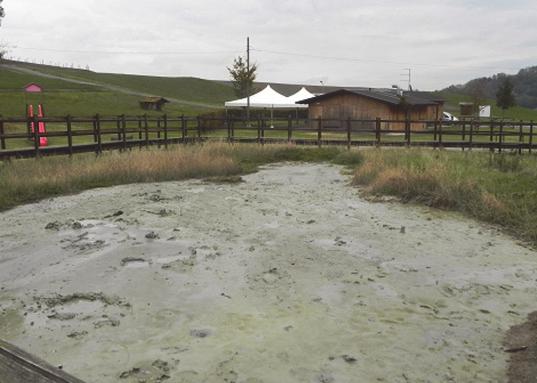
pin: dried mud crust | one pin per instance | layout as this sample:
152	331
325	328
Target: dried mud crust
521	343
288	276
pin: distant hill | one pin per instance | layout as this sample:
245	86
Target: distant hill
83	92
525	86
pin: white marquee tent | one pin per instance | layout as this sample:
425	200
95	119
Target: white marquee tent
268	98
302	94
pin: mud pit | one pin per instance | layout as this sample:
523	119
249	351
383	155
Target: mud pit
287	277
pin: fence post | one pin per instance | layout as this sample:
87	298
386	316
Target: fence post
289	128
146	130
158	132
501	137
491	138
165	131
435	130
319	131
349	137
199	128
123	131
69	134
140	130
228	127
28	123
530	138
118	128
263	131
183	128
377	131
232	131
520	138
471	134
99	137
2	138
94	124
407	131
440	134
36	135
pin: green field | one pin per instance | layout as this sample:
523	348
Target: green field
83	93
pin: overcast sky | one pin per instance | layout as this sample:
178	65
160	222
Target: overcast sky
340	42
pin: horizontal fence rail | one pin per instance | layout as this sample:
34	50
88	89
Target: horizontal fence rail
69	134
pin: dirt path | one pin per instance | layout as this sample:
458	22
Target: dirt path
113	88
287	277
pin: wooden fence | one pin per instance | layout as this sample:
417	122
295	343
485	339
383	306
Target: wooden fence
18	366
69	135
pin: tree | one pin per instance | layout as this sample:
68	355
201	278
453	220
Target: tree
476	89
504	96
242	78
3	51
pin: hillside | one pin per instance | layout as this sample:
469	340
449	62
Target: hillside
81	92
524	82
454	97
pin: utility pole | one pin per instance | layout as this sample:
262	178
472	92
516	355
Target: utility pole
408	77
248	80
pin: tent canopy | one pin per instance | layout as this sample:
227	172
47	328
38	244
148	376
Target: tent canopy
268	98
302	94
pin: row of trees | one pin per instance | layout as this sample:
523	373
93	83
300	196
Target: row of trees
500	86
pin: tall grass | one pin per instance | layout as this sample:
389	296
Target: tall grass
496	188
23	181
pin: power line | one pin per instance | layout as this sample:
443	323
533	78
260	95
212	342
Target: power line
125	52
378	61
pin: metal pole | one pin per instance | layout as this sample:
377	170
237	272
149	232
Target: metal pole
248	80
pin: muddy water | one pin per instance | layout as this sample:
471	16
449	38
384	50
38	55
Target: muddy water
287	277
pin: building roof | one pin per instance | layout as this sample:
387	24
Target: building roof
389	96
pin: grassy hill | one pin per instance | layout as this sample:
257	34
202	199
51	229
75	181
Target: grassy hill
81	92
524	86
453	99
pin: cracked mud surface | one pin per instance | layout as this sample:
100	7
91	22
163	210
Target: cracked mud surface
287	277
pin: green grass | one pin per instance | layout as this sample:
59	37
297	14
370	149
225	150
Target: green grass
184	88
11	80
496	188
194	96
84	103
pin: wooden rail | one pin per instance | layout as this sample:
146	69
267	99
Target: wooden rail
17	366
70	135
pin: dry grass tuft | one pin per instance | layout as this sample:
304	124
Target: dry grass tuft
30	180
496	188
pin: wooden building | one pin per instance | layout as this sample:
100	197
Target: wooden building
336	107
153	103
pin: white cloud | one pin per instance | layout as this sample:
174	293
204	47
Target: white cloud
443	41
